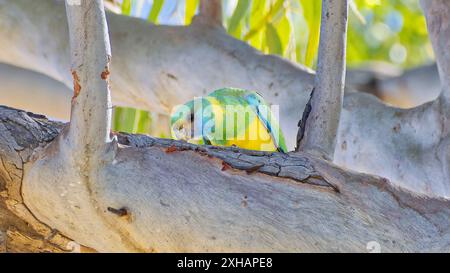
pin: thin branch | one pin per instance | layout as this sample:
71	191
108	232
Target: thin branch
438	21
319	125
91	54
211	9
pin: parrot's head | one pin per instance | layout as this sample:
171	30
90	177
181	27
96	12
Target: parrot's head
254	99
182	122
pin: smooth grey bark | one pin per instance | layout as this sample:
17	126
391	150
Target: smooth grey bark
319	125
411	153
182	197
22	134
437	14
90	121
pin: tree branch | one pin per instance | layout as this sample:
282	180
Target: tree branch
182	197
90	122
397	87
32	91
321	120
413	151
437	13
211	9
19	139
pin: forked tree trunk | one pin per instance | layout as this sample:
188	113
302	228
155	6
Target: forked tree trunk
135	193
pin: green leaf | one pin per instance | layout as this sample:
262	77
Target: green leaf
143	123
284	32
312	10
238	14
131	121
258	11
126	7
273	40
267	18
156	9
124	119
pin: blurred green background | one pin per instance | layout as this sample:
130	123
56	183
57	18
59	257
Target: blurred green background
391	31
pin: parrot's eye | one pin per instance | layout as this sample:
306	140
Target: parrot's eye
180	132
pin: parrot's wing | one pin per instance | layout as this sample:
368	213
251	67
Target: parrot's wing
271	124
215	114
229	97
234	96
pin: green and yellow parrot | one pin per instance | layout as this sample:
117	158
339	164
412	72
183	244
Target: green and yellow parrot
229	117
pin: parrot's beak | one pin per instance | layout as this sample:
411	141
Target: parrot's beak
181	131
